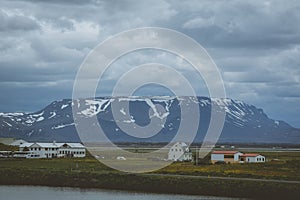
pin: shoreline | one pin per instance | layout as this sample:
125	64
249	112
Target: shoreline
113	190
154	184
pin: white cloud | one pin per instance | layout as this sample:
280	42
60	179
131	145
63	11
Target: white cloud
198	23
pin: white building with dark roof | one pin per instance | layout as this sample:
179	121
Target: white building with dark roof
53	150
225	156
180	151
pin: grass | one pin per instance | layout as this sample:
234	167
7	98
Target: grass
4	147
89	173
288	170
285	168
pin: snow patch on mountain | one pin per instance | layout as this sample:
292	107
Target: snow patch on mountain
7	123
40	119
53	114
38	115
30	121
95	106
11	114
132	120
156	113
64	106
62	126
30	133
204	102
123	111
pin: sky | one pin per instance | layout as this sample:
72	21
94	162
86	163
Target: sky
255	44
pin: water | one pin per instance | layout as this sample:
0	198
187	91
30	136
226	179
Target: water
63	193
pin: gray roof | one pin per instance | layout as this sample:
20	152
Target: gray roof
17	142
53	145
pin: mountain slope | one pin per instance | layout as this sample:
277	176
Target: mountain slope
244	123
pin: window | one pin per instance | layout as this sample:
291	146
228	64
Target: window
228	156
263	159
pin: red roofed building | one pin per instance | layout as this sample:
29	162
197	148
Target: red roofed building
252	157
236	157
225	156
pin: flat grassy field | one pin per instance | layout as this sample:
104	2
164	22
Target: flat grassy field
279	165
90	173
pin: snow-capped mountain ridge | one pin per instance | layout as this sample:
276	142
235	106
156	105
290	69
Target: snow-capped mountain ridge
244	122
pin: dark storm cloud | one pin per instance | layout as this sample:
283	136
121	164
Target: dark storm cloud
256	45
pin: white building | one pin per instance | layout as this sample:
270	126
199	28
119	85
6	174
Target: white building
252	158
24	154
180	151
225	156
236	157
17	142
53	150
5	154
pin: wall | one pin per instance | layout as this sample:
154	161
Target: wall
217	157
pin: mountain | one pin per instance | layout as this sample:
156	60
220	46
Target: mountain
244	123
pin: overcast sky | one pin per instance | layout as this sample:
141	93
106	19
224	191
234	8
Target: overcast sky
255	44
